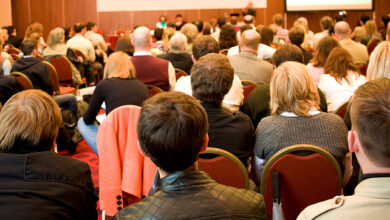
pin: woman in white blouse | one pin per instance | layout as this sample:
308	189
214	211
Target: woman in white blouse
341	80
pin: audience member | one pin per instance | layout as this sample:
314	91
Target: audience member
162	22
204	45
316	66
13	39
371	32
296	36
369	141
149	69
221	21
343	35
5	60
124	45
37	29
199	24
227	37
97	40
247	65
281	33
383	28
296	119
119	87
179	22
379	65
249	10
9	86
34	178
191	32
177	55
326	24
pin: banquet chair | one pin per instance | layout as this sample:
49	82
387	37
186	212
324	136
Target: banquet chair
23	80
248	86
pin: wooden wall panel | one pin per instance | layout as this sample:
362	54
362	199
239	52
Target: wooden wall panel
79	11
41	10
20	15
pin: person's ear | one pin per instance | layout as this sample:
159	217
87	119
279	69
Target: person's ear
140	149
353	141
205	143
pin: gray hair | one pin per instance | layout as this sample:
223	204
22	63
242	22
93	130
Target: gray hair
178	43
141	37
55	37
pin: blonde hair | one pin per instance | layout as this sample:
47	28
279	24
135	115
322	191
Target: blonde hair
56	36
370	27
292	90
190	31
31	117
34	28
379	65
119	65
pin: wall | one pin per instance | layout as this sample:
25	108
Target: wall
53	13
5	13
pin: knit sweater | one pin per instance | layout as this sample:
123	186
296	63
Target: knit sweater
325	130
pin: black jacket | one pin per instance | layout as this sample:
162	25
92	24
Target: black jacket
193	195
45	185
179	60
37	71
9	86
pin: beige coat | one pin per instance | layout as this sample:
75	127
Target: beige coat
358	51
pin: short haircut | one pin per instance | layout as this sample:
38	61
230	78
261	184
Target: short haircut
158	33
56	36
379	64
78	28
190	31
321	53
171	130
233	20
278	19
28	46
204	45
119	65
245	27
296	35
293	90
90	25
177	43
199	25
227	37
248	19
267	36
211	78
250	39
124	45
207	28
364	18
29	122
287	52
221	21
141	37
326	23
385	19
370	118
338	64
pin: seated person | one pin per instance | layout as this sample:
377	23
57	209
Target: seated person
369	140
119	87
9	86
172	131
296	119
211	78
36	182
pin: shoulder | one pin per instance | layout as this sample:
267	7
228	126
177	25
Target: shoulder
321	208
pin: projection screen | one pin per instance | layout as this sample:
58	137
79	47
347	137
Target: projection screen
328	5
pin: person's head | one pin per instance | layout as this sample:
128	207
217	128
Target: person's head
326	23
250	5
11	30
90	26
211	78
287	52
369	137
172	130
221	21
227	37
56	36
34	27
178	43
293	90
248	19
338	64
204	45
278	19
79	28
179	18
163	18
29	122
124	44
370	27
358	34
233	20
321	53
385	19
119	65
190	31
141	38
158	33
364	18
29	47
199	25
379	64
342	30
249	41
267	36
4	34
303	21
296	35
245	27
206	28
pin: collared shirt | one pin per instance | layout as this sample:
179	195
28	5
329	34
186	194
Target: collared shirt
374	175
312	111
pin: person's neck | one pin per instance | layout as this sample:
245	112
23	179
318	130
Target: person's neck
163	173
143	49
245	49
79	34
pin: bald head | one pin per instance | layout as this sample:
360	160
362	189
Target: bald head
141	38
342	30
250	40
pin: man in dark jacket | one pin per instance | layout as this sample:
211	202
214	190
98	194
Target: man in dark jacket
33	67
172	131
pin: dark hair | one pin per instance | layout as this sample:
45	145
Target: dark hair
78	28
158	33
124	45
198	24
385	19
267	35
171	130
326	22
90	25
10	29
287	52
207	29
203	45
296	35
211	78
171	24
29	45
339	18
370	117
178	16
245	27
321	53
364	18
248	21
221	21
233	20
227	37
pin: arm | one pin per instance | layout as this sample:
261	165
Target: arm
171	76
91	53
94	107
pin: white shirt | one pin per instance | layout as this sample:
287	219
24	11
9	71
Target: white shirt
315	72
264	52
338	93
96	39
84	45
232	100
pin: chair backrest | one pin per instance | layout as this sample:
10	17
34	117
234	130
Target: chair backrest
13	50
363	69
180	73
342	110
78	53
224	51
153	90
23	80
63	68
304	180
226	168
53	77
248	86
15	56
